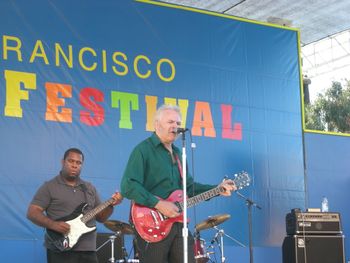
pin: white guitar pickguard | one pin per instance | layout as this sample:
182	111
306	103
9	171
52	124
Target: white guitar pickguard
77	229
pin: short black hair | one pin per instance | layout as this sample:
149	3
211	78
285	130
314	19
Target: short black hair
74	150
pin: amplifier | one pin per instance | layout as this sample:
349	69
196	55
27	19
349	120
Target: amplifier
298	222
313	249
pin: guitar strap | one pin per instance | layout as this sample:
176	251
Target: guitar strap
179	166
84	189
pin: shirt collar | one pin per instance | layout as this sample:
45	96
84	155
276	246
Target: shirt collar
156	142
62	181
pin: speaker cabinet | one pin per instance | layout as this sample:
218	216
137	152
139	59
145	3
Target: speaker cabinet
313	249
104	247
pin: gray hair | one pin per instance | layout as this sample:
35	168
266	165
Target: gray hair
165	107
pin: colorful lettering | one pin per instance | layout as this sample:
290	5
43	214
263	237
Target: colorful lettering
228	132
203	119
97	118
14	94
53	102
124	101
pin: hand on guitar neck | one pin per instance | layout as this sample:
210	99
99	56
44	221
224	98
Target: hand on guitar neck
118	198
229	186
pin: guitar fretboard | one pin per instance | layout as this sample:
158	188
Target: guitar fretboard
241	180
203	196
89	215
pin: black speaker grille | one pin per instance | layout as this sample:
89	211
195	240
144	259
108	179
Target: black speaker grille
313	249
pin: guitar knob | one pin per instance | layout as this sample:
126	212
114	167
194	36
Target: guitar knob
163	233
150	230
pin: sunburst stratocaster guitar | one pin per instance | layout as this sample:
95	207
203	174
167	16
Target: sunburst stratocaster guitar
152	226
78	227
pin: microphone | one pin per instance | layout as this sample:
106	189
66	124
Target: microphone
181	130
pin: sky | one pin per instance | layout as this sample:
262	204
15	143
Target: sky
321	83
325	61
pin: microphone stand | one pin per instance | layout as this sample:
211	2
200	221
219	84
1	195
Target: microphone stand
249	203
184	189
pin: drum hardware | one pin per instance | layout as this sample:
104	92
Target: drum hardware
200	250
136	248
200	253
118	226
128	260
110	239
211	222
219	240
219	234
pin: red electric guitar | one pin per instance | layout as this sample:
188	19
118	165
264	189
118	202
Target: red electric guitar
152	226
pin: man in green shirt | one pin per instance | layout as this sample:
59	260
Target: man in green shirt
154	171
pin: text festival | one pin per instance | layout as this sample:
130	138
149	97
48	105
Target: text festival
19	85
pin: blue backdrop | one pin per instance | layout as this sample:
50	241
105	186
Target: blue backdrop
90	75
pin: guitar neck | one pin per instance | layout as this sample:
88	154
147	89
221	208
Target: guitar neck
203	196
89	215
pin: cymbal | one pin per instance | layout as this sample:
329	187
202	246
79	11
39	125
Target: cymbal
118	226
212	221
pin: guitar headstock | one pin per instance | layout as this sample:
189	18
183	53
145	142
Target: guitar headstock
241	180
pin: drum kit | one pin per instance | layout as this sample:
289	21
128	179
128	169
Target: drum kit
201	251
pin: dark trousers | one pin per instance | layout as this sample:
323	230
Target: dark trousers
169	250
71	257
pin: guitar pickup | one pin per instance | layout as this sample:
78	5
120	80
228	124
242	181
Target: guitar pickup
161	216
154	215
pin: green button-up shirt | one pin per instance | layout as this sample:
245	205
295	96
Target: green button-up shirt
152	172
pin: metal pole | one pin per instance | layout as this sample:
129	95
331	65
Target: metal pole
184	189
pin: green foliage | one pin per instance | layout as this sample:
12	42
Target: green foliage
331	111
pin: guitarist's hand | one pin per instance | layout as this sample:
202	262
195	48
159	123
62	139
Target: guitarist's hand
61	227
229	186
118	198
168	209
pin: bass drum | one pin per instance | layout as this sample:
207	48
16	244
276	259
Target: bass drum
200	253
